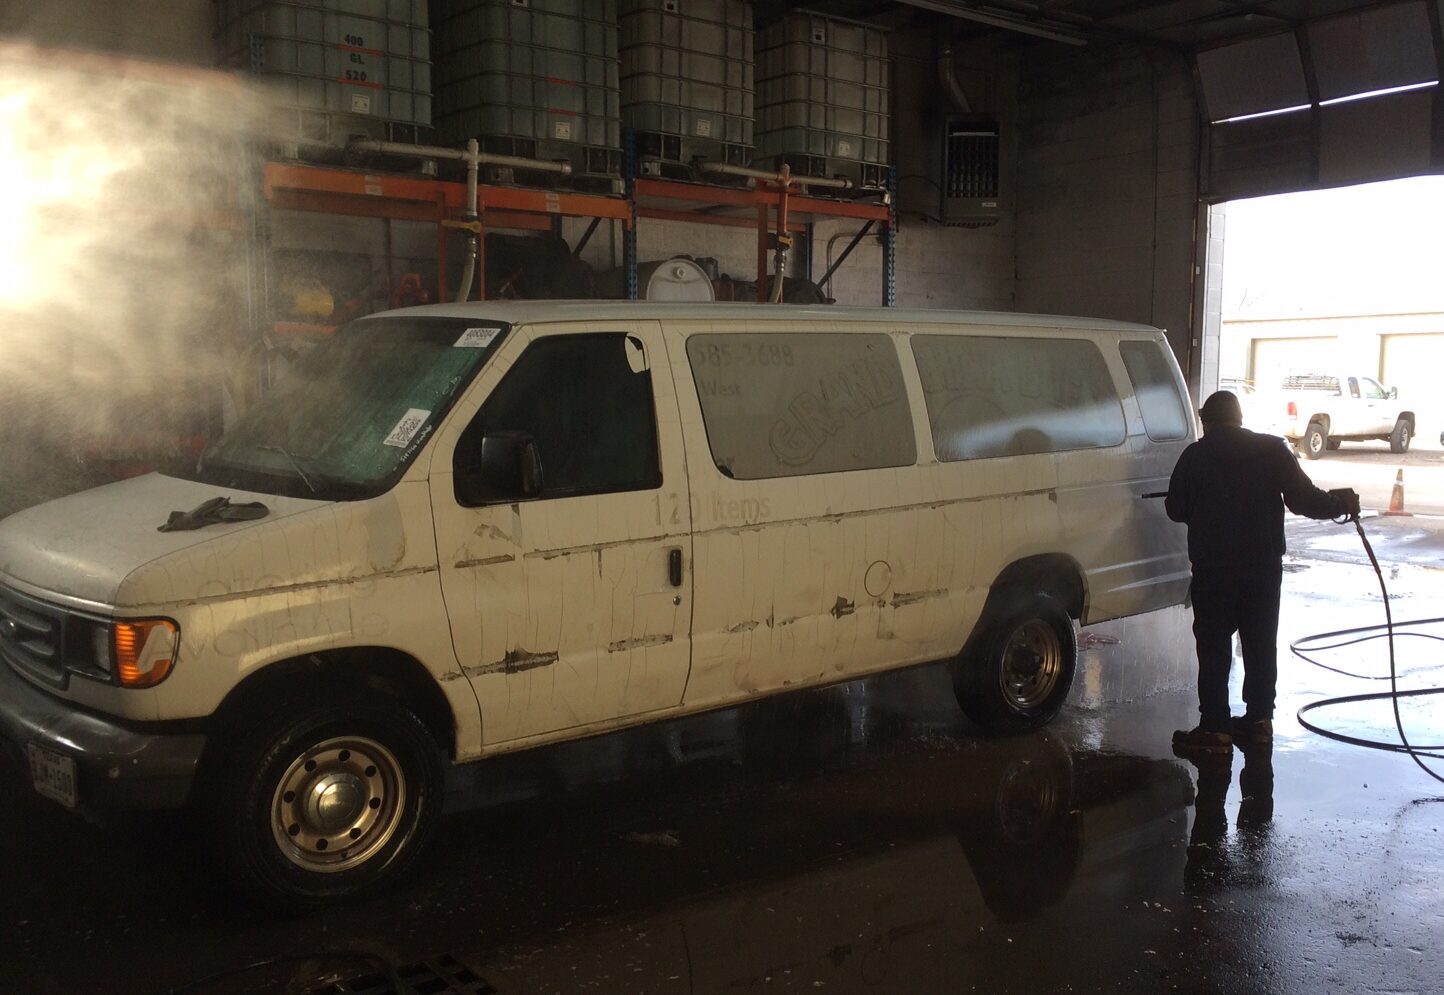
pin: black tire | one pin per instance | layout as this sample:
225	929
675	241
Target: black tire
1314	442
1334	444
1015	674
1399	438
296	849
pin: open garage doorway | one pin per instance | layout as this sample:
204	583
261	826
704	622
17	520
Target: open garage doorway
1341	286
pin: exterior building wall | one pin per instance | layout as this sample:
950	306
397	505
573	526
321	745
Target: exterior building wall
1402	351
1358	339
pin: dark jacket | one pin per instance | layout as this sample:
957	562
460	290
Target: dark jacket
1230	488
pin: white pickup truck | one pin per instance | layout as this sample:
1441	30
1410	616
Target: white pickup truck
1318	411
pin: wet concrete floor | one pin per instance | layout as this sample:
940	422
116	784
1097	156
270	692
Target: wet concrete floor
856	839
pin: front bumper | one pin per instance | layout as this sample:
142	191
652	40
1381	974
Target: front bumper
117	767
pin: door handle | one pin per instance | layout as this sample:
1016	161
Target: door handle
674	567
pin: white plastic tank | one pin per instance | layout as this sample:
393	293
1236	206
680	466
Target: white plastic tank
675	279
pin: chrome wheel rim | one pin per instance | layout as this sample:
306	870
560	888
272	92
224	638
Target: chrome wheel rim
338	803
1032	662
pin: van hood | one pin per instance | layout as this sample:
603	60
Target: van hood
85	545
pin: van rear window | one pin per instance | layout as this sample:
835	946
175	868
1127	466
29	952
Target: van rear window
1164	416
782	405
995	396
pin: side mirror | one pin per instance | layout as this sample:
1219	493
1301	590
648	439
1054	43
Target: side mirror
506	467
1393	393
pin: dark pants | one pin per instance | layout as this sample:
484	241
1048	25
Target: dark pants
1249	605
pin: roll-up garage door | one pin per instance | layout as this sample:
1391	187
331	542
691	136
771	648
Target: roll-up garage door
1415	364
1271	359
1285	111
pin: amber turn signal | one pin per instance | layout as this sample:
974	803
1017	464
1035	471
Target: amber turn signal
143	651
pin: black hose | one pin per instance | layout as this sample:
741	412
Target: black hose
1392	695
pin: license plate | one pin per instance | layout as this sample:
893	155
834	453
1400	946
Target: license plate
52	774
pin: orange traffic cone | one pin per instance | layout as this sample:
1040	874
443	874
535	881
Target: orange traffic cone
1396	500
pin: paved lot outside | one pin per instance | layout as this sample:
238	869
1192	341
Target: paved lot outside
1370	469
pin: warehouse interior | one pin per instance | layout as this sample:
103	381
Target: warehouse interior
188	218
1110	133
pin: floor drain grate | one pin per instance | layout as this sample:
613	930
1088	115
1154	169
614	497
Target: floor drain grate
443	975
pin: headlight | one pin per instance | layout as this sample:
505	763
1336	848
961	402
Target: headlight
137	653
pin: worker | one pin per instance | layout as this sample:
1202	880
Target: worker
1230	488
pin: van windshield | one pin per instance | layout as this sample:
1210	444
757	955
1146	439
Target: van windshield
354	412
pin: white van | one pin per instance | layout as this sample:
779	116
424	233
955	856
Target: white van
462	530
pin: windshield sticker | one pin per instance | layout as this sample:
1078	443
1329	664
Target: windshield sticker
477	338
407	428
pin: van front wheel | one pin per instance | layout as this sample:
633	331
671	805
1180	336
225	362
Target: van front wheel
1017	673
328	800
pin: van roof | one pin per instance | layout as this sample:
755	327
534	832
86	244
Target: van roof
520	312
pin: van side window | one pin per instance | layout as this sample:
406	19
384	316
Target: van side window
588	411
996	396
783	405
1156	390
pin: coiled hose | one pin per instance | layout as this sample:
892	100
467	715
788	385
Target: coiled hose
1302	648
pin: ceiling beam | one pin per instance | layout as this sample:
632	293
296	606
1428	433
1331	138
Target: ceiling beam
991	17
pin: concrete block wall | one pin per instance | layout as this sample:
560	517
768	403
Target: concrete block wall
1107	188
936	266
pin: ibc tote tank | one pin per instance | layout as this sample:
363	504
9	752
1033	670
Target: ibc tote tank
532	78
822	98
334	69
687	79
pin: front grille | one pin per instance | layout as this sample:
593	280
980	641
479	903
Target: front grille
32	637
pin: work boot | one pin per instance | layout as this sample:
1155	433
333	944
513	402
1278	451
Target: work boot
1199	742
1252	730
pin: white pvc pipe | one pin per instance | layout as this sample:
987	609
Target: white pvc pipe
468	155
837	183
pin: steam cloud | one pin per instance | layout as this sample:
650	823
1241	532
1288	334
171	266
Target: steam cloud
123	256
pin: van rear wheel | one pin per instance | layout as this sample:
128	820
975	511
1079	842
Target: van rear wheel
1016	674
327	800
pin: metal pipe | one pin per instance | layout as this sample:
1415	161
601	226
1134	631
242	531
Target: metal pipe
473	249
837	183
586	237
832	267
467	155
948	80
784	240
